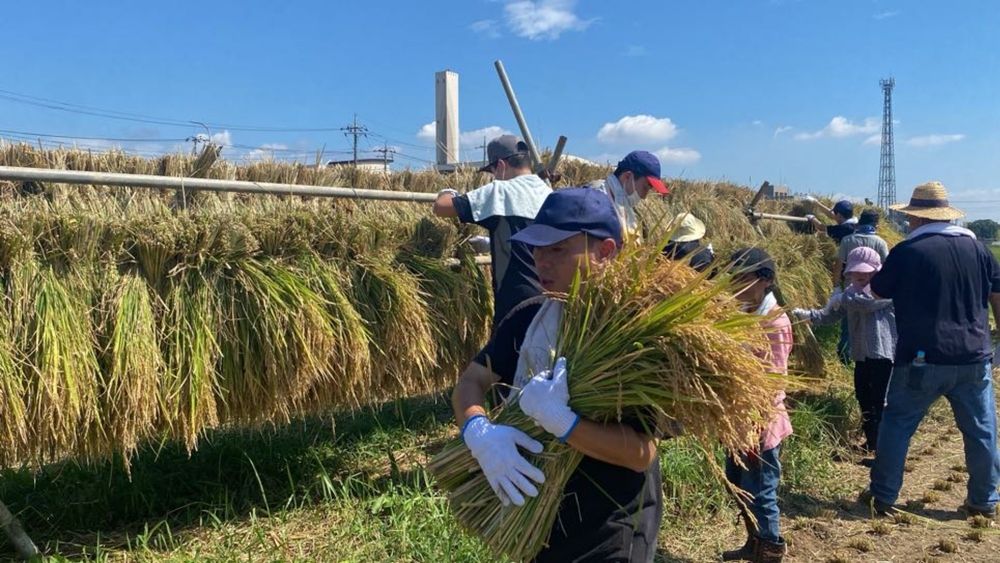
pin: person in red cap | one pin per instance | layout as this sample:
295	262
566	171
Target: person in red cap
631	182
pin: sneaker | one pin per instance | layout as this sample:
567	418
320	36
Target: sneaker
877	507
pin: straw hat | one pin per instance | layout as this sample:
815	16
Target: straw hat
689	228
929	201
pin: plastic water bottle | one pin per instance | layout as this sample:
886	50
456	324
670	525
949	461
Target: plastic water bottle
917	368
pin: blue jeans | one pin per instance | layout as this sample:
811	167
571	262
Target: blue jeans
760	479
911	392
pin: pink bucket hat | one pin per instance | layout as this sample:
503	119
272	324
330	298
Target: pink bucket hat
863	260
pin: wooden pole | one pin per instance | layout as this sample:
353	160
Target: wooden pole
536	161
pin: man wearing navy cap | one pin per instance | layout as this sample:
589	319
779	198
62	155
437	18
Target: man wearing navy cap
842	213
503	207
612	504
633	178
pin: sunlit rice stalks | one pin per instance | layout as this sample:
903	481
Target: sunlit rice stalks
132	364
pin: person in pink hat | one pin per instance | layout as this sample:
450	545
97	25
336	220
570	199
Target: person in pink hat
872	329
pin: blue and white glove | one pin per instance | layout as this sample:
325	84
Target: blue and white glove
495	448
836	299
800	314
546	399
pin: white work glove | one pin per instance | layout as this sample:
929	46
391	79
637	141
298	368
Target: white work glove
810	199
546	399
495	448
800	314
834	302
811	217
449	191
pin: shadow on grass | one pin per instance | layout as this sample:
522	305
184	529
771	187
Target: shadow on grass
233	474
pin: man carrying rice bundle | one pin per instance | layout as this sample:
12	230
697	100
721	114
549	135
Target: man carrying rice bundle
612	503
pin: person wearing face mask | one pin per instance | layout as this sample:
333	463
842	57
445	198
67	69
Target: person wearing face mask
630	183
503	207
872	323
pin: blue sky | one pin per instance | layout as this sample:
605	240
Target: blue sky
747	90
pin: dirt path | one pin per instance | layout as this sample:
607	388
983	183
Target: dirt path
932	529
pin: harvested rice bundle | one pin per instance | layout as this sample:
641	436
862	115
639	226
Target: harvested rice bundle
648	340
52	328
404	350
348	361
190	346
274	337
13	431
131	363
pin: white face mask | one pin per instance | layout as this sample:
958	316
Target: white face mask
633	196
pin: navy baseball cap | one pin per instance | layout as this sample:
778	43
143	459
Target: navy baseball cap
845	208
571	211
644	164
753	260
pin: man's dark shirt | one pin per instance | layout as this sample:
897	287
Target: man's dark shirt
940	287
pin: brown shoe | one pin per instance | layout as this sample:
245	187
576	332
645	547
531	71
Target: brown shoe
769	552
744	553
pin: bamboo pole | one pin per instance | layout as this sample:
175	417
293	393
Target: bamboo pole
23	545
16	173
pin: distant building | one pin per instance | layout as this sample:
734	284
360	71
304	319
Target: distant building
776	192
366	164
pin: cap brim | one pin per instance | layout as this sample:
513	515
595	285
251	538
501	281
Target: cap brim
542	235
658	185
861	269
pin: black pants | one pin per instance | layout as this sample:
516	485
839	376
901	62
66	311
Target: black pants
871	379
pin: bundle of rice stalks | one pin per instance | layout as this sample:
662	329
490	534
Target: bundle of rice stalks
349	358
275	339
52	328
131	363
404	352
459	304
189	327
645	340
13	430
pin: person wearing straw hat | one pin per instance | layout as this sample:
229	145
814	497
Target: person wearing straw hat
872	324
686	243
942	282
503	207
630	183
612	504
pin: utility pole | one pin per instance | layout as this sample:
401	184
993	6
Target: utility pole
354	130
483	146
387	153
887	163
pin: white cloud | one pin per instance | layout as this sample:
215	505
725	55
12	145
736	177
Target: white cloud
265	151
757	123
886	15
635	51
637	129
475	137
223	138
782	129
934	140
840	127
543	19
466	139
669	155
428	132
875	139
489	29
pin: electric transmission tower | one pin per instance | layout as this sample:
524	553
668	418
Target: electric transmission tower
887	164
